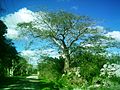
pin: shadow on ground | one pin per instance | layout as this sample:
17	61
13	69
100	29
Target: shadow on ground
18	83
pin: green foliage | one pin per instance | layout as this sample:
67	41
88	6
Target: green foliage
90	64
23	68
114	58
106	84
70	81
10	62
8	55
50	68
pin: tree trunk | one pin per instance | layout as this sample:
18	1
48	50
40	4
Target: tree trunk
7	72
11	71
67	59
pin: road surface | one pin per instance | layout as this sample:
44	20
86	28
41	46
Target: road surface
28	83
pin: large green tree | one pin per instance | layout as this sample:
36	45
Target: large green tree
65	31
8	53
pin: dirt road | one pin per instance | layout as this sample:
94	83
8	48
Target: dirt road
28	83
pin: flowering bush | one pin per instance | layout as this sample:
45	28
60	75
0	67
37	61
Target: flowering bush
110	70
71	80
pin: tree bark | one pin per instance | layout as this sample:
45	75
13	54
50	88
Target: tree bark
67	59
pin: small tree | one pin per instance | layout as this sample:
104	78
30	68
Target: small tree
64	30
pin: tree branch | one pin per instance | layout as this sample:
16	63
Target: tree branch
77	37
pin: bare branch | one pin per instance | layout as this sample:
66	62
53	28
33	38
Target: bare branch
77	37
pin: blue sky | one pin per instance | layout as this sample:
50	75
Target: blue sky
105	11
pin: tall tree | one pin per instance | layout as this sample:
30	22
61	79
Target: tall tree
8	53
64	30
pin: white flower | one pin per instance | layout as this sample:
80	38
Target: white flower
105	66
110	70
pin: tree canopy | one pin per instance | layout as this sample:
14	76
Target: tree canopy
65	30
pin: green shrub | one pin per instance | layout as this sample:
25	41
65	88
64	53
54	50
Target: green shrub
71	80
50	68
90	64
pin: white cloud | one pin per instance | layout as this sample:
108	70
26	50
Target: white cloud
31	56
23	15
34	55
114	34
100	29
88	45
28	53
12	34
11	20
51	52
